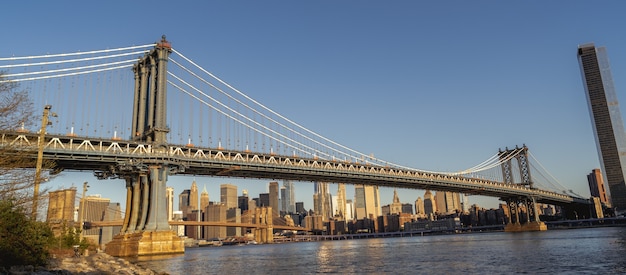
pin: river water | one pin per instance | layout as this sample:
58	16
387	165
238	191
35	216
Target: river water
575	251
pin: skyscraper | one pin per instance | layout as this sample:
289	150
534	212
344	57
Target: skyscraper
290	197
430	207
322	201
193	196
419	207
367	202
183	202
204	199
447	202
596	185
341	201
274	198
606	119
228	195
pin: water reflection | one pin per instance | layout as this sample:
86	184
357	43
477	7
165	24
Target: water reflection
598	250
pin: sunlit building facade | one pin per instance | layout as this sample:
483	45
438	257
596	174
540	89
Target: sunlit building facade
606	119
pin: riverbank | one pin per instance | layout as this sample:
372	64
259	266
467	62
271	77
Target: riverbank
94	264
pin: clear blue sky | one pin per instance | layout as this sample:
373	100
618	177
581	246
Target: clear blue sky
435	85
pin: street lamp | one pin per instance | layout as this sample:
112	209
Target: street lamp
40	144
82	210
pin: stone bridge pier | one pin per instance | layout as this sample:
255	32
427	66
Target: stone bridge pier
523	215
263	216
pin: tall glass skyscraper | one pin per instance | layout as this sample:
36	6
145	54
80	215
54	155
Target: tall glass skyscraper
606	120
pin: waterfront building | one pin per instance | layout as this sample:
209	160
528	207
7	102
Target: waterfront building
290	197
228	195
204	198
606	119
273	199
367	202
596	186
169	202
233	215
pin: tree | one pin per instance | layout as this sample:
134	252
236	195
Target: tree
22	241
16	173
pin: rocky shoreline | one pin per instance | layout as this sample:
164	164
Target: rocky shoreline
95	264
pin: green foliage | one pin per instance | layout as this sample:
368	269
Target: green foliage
22	240
69	237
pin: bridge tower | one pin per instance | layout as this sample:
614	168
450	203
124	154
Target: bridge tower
145	230
529	222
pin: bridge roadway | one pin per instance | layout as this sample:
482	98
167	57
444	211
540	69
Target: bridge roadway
111	157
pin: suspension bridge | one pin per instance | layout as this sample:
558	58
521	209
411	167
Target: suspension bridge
212	129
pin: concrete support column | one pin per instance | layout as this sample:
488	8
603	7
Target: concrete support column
134	207
157	214
129	196
145	202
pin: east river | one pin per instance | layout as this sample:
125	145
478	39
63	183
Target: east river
575	251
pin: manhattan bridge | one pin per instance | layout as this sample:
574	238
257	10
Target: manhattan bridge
184	120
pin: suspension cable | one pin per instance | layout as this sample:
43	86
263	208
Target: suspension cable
75	53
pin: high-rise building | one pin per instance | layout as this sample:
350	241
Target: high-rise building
264	200
340	212
396	206
419	207
169	202
322	201
274	198
193	196
606	119
290	197
430	207
367	202
300	207
243	201
204	199
349	215
216	213
596	186
228	195
281	200
183	202
447	202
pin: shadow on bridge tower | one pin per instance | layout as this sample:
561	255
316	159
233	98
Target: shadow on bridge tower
145	230
523	210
